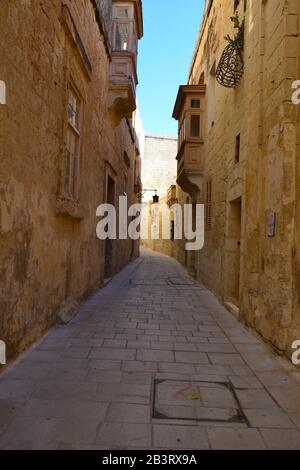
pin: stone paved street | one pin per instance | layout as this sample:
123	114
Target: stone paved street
152	361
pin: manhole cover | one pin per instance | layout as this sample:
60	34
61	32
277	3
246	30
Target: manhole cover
196	401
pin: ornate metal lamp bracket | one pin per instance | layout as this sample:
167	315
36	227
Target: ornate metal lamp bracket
155	197
231	66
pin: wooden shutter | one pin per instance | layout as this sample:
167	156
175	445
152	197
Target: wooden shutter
208	205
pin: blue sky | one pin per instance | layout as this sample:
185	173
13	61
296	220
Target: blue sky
165	53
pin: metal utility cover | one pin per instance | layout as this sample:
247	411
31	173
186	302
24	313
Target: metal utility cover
196	401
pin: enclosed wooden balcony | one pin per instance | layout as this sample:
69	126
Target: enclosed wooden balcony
189	111
171	195
127	29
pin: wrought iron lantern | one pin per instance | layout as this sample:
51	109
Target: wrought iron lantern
231	66
155	198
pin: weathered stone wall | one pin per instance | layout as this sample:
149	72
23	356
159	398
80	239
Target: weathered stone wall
159	164
49	252
161	245
265	179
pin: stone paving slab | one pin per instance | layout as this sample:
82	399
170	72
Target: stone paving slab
90	384
235	439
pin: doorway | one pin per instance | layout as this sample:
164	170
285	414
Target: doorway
233	251
109	245
190	256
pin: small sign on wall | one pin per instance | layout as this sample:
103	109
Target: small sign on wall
272	225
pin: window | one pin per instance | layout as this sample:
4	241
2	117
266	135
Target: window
181	132
135	171
124	33
195	103
73	146
237	148
195	126
125	185
211	97
135	43
122	37
208	206
73	110
122	12
126	159
172	230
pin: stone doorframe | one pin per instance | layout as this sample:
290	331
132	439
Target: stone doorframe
110	191
233	251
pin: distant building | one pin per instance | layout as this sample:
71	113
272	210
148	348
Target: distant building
159	163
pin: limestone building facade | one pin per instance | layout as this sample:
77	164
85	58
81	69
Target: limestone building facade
238	154
159	171
67	145
159	164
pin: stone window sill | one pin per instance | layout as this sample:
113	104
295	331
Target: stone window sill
70	208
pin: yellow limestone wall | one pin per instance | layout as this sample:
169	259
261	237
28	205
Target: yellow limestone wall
266	178
48	258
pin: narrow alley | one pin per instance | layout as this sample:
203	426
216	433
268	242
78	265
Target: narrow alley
152	361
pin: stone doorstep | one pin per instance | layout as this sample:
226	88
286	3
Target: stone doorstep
233	309
68	311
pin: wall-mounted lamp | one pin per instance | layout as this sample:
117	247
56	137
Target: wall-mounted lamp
155	197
